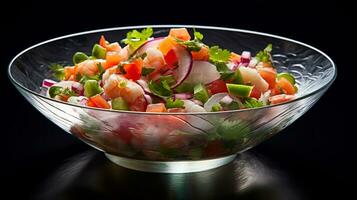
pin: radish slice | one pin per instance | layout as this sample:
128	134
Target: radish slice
216	98
48	83
184	65
202	72
154	43
252	76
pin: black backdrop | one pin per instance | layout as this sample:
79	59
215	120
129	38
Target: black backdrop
316	152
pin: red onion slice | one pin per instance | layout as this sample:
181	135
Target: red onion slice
46	83
78	88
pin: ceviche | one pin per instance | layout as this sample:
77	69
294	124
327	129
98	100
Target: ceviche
176	73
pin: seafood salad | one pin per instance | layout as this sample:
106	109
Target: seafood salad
176	73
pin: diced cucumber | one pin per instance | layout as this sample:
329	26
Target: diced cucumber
119	104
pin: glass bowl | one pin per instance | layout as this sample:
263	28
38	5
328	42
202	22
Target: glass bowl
167	142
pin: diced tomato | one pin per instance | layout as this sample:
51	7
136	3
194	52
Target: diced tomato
286	86
180	33
171	58
133	70
68	72
280	98
157	107
269	75
99	101
139	104
103	42
217	86
255	93
167	44
113	58
235	58
202	54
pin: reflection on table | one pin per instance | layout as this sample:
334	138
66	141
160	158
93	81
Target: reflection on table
91	176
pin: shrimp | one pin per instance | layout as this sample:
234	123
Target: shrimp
90	67
154	58
118	86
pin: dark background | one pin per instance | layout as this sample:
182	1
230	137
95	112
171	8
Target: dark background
316	154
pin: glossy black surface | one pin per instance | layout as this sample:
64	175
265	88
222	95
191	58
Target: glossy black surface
311	159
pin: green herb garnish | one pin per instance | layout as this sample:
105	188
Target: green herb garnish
135	38
57	71
177	103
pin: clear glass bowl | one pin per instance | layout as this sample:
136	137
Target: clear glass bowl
166	142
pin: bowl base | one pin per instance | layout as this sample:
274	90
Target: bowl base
170	166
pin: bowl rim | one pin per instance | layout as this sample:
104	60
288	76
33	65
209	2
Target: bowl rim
321	88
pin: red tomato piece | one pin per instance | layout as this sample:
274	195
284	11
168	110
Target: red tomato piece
217	86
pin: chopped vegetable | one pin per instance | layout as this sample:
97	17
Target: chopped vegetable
119	104
158	107
98	51
99	101
79	57
160	89
264	56
252	103
91	88
135	38
180	33
217	54
239	90
201	93
175	73
216	107
287	76
57	71
177	103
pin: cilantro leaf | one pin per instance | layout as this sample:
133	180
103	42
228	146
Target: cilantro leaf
135	38
57	71
264	55
68	92
57	90
184	87
218	55
177	103
169	79
161	89
195	44
85	78
198	35
252	103
145	71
